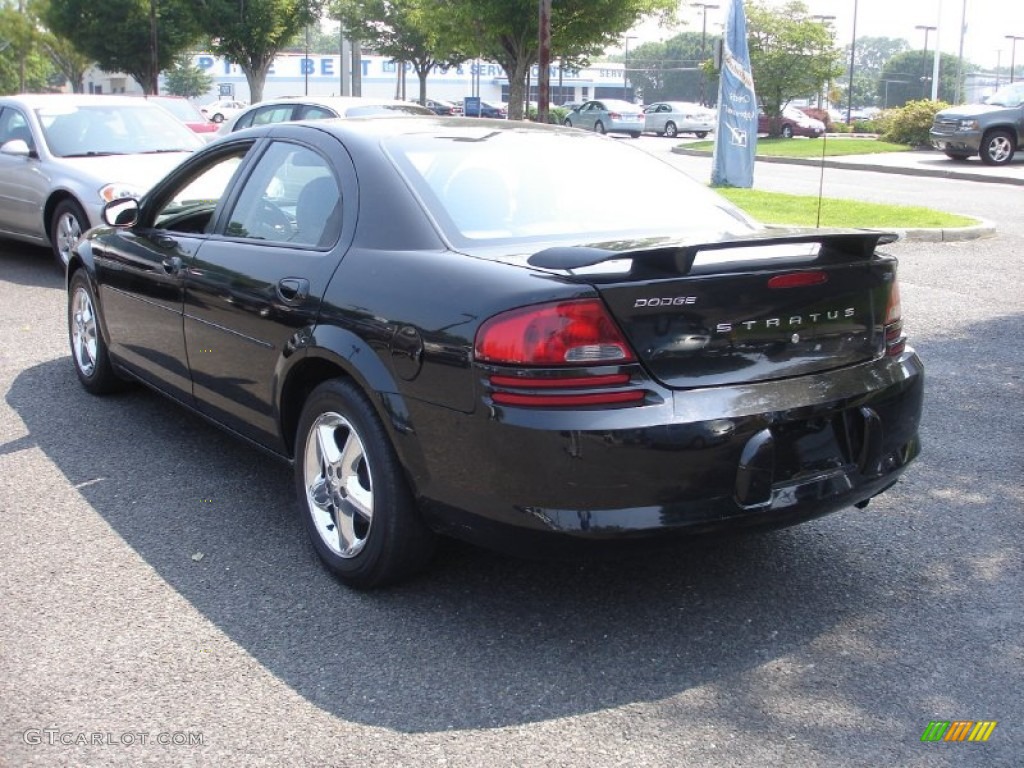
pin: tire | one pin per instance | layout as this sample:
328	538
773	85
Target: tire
599	127
355	502
88	349
960	157
997	148
787	131
567	122
701	134
634	134
66	225
670	130
218	118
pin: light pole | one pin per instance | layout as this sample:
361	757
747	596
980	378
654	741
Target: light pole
1013	52
927	29
625	70
703	42
853	53
154	60
826	21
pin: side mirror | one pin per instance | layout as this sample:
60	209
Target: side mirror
121	213
16	147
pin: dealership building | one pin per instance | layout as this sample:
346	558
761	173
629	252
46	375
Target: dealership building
382	77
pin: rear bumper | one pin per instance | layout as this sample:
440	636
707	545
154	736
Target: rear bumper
759	455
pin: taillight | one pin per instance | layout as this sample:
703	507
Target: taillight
564	333
576	334
895	341
614	116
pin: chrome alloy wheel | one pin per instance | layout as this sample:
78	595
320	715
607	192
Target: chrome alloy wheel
339	484
66	232
83	331
1000	149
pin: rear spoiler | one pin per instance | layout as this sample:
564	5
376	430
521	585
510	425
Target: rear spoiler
836	246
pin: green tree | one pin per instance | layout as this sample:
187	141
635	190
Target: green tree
119	35
187	80
792	55
909	78
71	63
250	33
505	31
405	30
23	66
323	42
671	69
870	57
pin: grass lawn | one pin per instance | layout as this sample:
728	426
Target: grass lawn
833	147
800	210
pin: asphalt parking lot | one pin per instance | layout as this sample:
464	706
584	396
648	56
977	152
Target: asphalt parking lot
161	605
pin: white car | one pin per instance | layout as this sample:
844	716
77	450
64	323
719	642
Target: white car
670	118
222	110
64	156
293	108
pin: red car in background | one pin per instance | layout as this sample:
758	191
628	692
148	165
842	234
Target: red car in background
792	122
186	112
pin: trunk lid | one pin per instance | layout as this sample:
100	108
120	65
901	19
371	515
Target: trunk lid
775	305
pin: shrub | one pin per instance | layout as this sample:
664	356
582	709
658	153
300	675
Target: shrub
874	125
909	124
555	114
841	128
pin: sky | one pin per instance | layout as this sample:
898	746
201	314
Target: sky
988	23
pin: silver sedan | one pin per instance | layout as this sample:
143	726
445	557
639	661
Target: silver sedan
670	118
608	116
64	156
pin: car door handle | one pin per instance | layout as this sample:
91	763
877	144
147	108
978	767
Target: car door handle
165	241
292	289
172	265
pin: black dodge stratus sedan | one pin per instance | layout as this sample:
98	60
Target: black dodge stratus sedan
415	314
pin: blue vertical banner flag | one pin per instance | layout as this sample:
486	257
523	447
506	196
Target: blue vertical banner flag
736	133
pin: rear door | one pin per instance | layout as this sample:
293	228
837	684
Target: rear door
654	118
587	115
254	290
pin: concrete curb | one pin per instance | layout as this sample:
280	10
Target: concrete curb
941	173
952	234
935	235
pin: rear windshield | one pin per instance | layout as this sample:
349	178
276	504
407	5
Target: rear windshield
508	186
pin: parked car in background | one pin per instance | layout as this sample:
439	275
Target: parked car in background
487	109
222	110
188	113
444	108
64	156
994	130
670	118
294	108
607	116
415	314
792	122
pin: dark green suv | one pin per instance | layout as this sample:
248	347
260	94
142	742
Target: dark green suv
993	130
